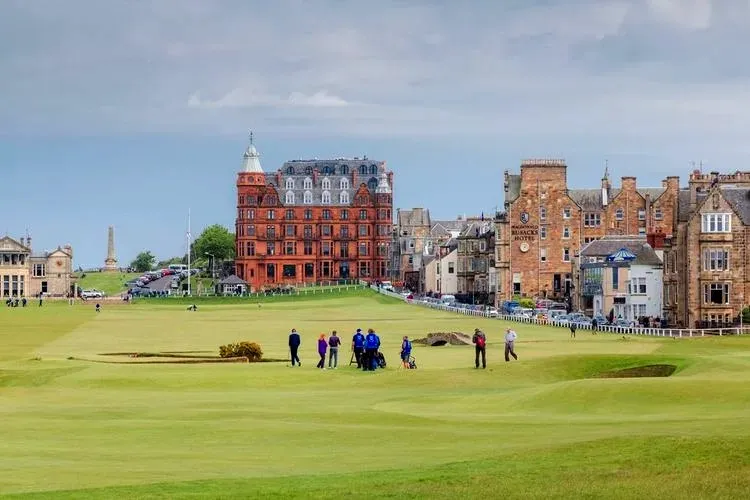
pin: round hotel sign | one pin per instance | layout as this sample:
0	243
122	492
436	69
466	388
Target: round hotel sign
524	217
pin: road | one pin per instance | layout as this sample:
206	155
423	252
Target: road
160	284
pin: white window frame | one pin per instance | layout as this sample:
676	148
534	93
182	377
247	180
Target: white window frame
326	184
715	259
542	255
716	223
344	197
565	251
290	183
658	213
641	214
289	198
307	183
619	214
307	198
325	198
344	184
543	232
567	213
566	233
542	213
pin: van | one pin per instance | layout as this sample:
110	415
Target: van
448	300
177	268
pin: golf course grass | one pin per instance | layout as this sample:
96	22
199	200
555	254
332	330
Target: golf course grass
572	418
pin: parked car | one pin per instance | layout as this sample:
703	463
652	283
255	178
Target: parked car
492	312
92	294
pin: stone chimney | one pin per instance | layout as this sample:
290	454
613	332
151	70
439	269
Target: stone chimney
628	183
605	191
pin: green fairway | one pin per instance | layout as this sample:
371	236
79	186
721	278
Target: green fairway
545	426
109	283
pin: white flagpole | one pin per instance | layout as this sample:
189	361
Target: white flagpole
188	253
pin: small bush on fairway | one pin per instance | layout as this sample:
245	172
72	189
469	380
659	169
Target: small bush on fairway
249	350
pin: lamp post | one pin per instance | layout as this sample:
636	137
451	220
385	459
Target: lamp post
213	264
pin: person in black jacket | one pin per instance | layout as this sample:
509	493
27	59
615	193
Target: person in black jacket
294	342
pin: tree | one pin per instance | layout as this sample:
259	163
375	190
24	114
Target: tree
215	240
143	262
174	260
746	316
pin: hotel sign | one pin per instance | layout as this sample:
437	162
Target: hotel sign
524	231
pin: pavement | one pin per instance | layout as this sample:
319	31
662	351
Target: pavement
161	284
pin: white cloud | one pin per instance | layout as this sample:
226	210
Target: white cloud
244	98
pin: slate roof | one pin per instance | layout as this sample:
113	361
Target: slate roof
451	244
647	257
233	280
514	188
654	193
587	199
608	245
474	230
739	199
414	217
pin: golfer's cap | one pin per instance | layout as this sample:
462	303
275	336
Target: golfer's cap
359	330
476	329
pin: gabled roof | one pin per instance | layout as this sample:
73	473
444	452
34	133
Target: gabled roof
653	193
587	199
414	217
10	243
233	280
514	187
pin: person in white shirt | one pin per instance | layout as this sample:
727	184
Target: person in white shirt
510	339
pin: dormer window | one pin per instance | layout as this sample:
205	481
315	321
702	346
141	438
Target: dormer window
290	170
363	169
326	198
307	198
307	183
290	183
289	199
326	183
344	197
344	184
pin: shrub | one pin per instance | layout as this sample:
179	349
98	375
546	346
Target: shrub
527	303
746	315
249	350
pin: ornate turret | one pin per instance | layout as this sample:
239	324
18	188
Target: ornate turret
251	159
383	187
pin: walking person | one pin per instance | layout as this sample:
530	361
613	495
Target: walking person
480	347
41	299
573	330
510	339
322	346
333	343
358	346
98	307
405	352
294	342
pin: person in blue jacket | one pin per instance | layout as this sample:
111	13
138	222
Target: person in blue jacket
405	351
358	346
294	342
372	344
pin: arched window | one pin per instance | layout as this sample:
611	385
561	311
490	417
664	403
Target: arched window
327	170
326	183
308	170
372	184
344	197
344	184
373	169
307	183
307	198
344	169
363	169
290	183
290	170
326	198
290	197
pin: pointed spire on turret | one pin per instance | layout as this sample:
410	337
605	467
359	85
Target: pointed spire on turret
383	186
605	184
251	158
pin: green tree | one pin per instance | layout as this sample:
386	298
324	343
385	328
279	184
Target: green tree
174	260
215	240
143	262
746	315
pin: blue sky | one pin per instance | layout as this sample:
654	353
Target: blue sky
129	113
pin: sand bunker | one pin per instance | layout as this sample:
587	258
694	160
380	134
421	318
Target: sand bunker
444	338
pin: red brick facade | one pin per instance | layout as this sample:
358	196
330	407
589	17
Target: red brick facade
346	236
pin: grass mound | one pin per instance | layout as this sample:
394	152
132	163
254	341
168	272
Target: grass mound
641	371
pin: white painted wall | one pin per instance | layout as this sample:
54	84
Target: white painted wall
654	289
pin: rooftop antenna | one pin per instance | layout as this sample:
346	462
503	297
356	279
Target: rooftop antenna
251	137
701	166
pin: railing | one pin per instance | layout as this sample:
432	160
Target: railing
620	330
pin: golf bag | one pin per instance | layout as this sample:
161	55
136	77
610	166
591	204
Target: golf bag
380	359
412	363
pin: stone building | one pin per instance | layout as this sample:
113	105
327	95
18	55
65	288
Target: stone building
313	220
621	276
27	274
545	224
477	282
413	237
440	272
707	262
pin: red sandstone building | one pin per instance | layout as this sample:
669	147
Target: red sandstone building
312	221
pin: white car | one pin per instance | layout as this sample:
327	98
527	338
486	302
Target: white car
492	312
92	294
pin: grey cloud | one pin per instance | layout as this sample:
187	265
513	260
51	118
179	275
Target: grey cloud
546	68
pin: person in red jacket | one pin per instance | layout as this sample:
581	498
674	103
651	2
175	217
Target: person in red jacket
480	347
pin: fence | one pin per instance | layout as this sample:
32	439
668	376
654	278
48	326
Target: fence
621	330
317	290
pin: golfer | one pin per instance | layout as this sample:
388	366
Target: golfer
294	342
510	339
480	347
333	355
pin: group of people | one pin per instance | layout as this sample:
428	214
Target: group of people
366	349
480	346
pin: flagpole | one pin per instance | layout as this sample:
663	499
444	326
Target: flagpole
188	253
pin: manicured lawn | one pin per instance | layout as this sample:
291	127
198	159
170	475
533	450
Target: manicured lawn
542	427
109	283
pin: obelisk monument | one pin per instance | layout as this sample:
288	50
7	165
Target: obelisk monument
110	263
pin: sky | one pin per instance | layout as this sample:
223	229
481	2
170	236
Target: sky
132	113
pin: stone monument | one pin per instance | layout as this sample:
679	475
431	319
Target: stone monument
110	263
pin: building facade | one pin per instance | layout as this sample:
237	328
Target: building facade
413	236
441	275
620	278
27	274
545	224
313	220
476	263
708	262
